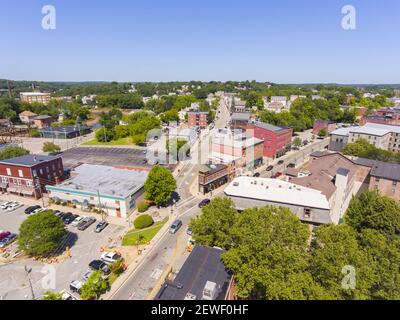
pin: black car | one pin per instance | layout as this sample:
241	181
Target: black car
98	265
281	162
70	218
256	175
269	168
31	209
101	226
291	165
204	202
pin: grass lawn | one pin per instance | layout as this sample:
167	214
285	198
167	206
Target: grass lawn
148	234
120	142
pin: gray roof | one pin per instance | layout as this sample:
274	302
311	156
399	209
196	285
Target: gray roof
241	116
108	181
203	264
42	117
29	160
268	126
65	129
211	168
386	170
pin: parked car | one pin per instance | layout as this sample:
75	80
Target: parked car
291	165
278	174
281	162
87	275
7	240
69	217
14	206
175	226
305	142
269	168
4	234
101	226
86	223
40	209
29	210
65	295
77	221
6	204
256	175
295	148
204	202
189	231
110	257
76	286
98	265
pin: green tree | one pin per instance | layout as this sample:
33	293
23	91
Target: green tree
12	152
374	211
52	296
269	257
336	252
51	147
322	133
94	287
297	142
213	226
41	234
159	185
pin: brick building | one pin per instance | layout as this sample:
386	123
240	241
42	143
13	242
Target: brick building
277	140
212	176
24	175
32	97
328	126
42	122
198	119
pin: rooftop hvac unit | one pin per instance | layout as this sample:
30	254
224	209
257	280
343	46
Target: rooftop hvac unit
210	291
190	296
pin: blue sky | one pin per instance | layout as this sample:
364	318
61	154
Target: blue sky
285	41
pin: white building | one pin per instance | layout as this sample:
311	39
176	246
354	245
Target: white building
113	190
309	205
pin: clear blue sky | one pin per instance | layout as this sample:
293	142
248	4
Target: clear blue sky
284	41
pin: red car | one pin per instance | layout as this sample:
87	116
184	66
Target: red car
278	174
4	235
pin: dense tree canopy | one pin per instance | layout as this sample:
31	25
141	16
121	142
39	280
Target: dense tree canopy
12	152
363	149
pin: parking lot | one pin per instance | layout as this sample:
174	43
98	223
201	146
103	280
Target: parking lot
104	156
85	247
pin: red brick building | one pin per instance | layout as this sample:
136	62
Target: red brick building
24	175
198	119
212	176
322	124
277	140
389	116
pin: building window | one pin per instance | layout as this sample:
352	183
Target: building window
8	171
4	179
19	182
307	213
34	173
29	183
20	174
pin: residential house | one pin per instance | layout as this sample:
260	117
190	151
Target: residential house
42	122
27	117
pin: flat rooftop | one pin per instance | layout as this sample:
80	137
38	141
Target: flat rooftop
106	180
277	191
203	264
28	160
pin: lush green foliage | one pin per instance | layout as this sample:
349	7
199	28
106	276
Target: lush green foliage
159	185
143	206
41	234
12	152
52	296
51	147
363	149
94	287
143	221
122	101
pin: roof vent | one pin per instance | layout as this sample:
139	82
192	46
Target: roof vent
236	184
190	296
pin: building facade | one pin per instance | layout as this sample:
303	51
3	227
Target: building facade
319	125
115	191
276	140
197	119
32	97
212	176
28	175
42	122
27	117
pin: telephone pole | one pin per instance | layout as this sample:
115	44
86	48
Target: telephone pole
27	272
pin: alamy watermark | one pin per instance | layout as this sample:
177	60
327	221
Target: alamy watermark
349	280
49	19
349	20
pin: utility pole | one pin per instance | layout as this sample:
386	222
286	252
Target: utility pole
27	272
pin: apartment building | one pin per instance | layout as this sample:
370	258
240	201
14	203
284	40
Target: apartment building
28	175
277	140
32	97
197	119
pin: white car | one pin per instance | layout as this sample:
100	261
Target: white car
77	221
67	295
14	206
87	275
5	205
110	257
38	210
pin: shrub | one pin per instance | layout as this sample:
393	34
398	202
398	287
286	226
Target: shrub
117	267
143	206
143	221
